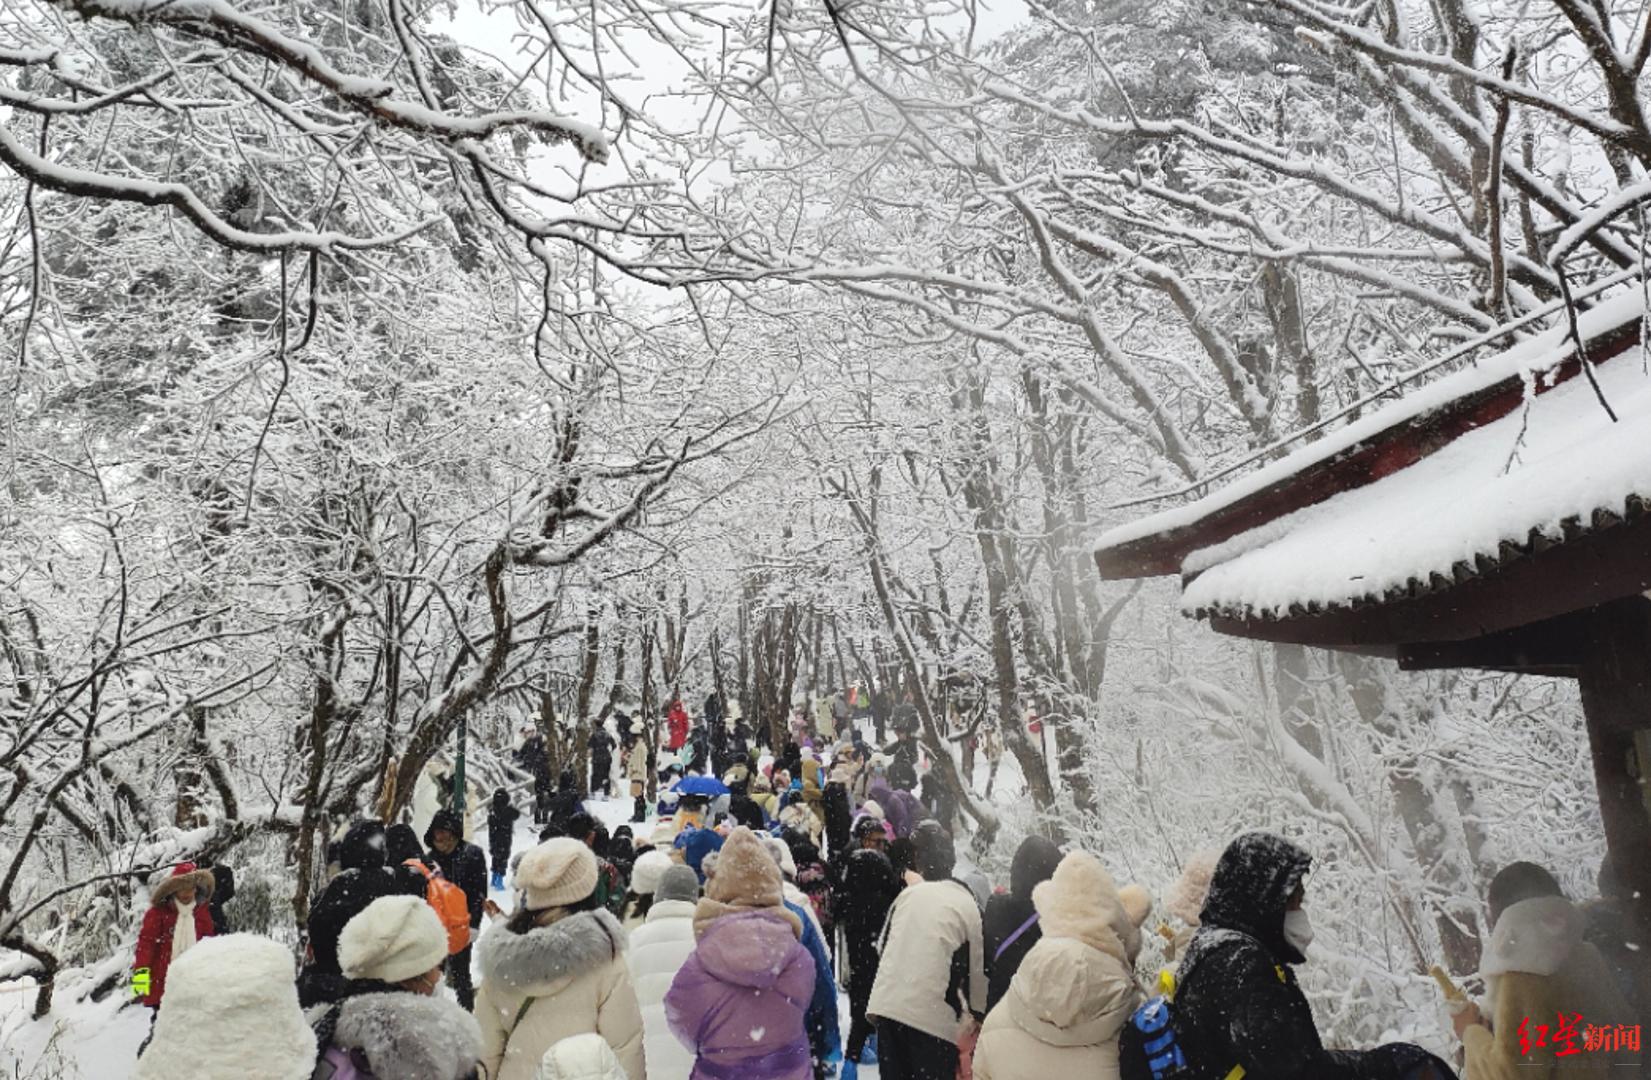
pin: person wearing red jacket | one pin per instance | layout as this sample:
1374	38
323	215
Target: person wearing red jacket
178	917
676	720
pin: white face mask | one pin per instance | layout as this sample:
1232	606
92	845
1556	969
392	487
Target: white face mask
1298	930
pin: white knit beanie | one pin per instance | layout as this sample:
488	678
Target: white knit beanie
557	873
393	938
650	867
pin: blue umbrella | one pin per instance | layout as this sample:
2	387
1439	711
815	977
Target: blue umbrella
706	786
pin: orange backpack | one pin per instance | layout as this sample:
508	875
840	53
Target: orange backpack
449	903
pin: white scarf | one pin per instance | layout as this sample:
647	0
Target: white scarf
183	932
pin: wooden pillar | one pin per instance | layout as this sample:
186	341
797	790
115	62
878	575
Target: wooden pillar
1615	678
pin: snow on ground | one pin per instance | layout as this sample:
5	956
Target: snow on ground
85	1039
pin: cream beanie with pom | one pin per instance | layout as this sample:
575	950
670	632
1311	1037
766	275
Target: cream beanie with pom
557	873
393	938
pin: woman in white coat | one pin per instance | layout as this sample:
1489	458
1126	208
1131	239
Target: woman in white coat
659	947
1076	989
556	968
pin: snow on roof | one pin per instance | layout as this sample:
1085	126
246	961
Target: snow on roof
1537	353
1542	471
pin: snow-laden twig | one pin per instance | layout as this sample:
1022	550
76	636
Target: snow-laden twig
220	21
72	181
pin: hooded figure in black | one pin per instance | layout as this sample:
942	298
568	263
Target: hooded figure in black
501	824
1010	925
365	877
462	863
600	745
865	890
1238	1002
839	817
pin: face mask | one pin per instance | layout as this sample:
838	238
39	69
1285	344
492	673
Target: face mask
1298	930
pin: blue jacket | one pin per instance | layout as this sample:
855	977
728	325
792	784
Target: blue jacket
824	1039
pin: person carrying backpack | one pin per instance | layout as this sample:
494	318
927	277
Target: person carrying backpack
1238	1003
1075	989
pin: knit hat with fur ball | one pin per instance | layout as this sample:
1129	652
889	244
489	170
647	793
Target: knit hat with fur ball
746	879
557	873
393	938
1081	901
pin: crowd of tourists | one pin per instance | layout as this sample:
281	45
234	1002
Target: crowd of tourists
713	945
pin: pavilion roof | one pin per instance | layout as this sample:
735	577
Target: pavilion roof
1450	484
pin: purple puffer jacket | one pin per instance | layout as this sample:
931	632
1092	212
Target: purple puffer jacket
900	808
738	1001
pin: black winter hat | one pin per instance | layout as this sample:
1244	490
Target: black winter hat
868	826
401	843
1035	861
935	855
362	847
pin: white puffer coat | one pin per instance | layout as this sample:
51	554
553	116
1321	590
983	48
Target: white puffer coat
659	947
552	982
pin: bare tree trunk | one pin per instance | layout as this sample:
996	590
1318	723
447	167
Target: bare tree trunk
590	655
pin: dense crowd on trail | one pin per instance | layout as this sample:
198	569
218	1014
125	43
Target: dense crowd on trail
709	938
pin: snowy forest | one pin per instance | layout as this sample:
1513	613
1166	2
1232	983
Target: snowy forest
386	377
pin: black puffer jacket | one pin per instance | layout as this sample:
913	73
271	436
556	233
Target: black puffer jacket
1238	1002
865	890
1035	861
345	897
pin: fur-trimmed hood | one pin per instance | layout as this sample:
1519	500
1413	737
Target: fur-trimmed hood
541	961
183	876
1535	936
410	1036
1081	902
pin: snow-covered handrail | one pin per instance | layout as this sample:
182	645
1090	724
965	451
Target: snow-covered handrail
1201	486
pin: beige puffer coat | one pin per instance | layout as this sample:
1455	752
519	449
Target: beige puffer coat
1538	966
553	982
1076	989
928	924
